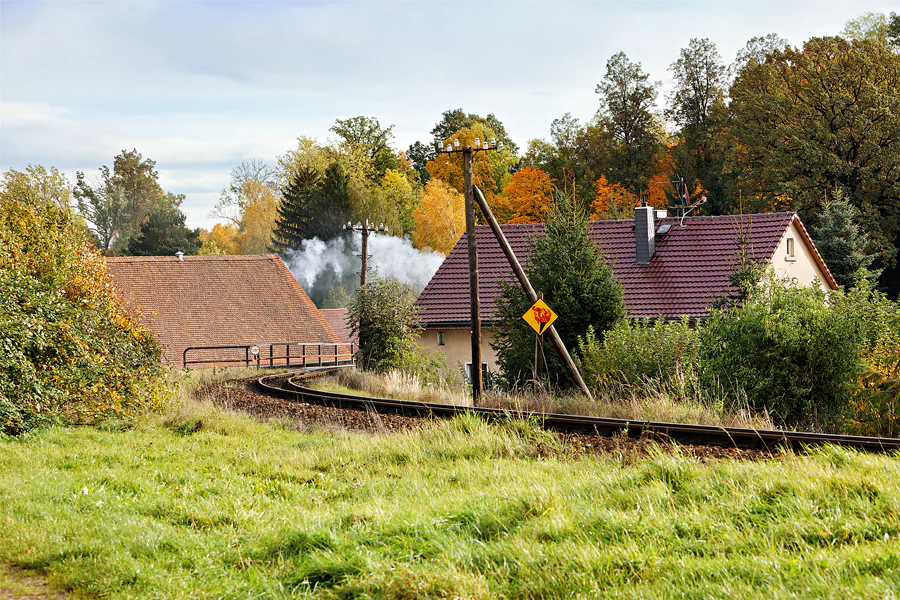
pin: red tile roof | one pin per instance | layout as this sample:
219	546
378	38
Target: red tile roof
218	301
689	271
337	318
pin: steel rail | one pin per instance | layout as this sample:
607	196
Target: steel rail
289	387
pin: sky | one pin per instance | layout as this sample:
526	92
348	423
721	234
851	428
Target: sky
200	86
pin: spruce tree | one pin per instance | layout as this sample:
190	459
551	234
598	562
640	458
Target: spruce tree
295	210
578	284
331	207
842	243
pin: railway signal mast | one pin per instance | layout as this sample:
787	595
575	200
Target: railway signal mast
468	154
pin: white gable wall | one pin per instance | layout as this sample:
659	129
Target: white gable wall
803	265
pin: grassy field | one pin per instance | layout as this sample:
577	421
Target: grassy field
206	504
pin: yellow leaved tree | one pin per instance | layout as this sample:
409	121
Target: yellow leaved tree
440	217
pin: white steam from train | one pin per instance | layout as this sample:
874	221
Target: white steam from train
329	271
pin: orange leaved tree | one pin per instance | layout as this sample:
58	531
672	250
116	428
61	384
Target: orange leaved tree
529	195
612	201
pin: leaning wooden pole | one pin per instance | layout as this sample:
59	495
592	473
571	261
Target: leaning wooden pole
532	295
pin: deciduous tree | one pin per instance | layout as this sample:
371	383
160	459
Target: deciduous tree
489	169
37	185
367	134
529	194
385	316
626	103
807	121
138	179
104	205
220	240
612	201
258	218
163	233
456	119
697	106
233	199
440	217
399	193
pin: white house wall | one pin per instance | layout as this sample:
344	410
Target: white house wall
803	267
457	348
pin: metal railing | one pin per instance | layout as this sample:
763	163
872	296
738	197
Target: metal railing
272	355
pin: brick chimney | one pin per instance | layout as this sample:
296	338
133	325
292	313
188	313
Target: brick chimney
644	233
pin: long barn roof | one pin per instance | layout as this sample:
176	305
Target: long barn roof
688	272
218	301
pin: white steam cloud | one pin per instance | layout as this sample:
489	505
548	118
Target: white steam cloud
317	263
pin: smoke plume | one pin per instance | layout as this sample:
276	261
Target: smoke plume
329	271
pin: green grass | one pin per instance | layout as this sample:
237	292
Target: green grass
231	508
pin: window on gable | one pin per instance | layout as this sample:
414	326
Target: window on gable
790	247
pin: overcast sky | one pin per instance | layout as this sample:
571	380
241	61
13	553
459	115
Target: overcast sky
198	87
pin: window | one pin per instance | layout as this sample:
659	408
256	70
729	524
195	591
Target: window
441	338
790	249
484	372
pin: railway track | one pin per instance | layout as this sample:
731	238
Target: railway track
291	387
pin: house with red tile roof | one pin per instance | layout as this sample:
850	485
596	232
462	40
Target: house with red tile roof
193	301
668	267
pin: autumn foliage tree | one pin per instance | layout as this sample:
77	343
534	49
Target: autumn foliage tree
70	351
440	217
489	169
612	201
529	195
809	120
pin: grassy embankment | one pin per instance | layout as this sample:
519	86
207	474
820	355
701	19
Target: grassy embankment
201	503
655	402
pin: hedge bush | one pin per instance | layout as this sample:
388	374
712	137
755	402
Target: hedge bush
631	354
69	352
873	406
788	349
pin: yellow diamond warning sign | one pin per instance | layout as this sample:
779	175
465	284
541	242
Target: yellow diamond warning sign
540	317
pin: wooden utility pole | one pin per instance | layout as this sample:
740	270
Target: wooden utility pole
365	254
475	303
532	295
468	153
365	228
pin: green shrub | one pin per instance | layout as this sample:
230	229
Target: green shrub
790	351
874	396
68	350
633	353
385	317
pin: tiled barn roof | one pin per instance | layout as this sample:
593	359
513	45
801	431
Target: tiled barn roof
218	301
337	318
689	271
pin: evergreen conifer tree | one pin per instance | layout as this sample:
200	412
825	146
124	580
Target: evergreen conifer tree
842	243
577	283
295	210
331	207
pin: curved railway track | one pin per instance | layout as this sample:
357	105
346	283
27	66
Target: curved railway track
291	387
